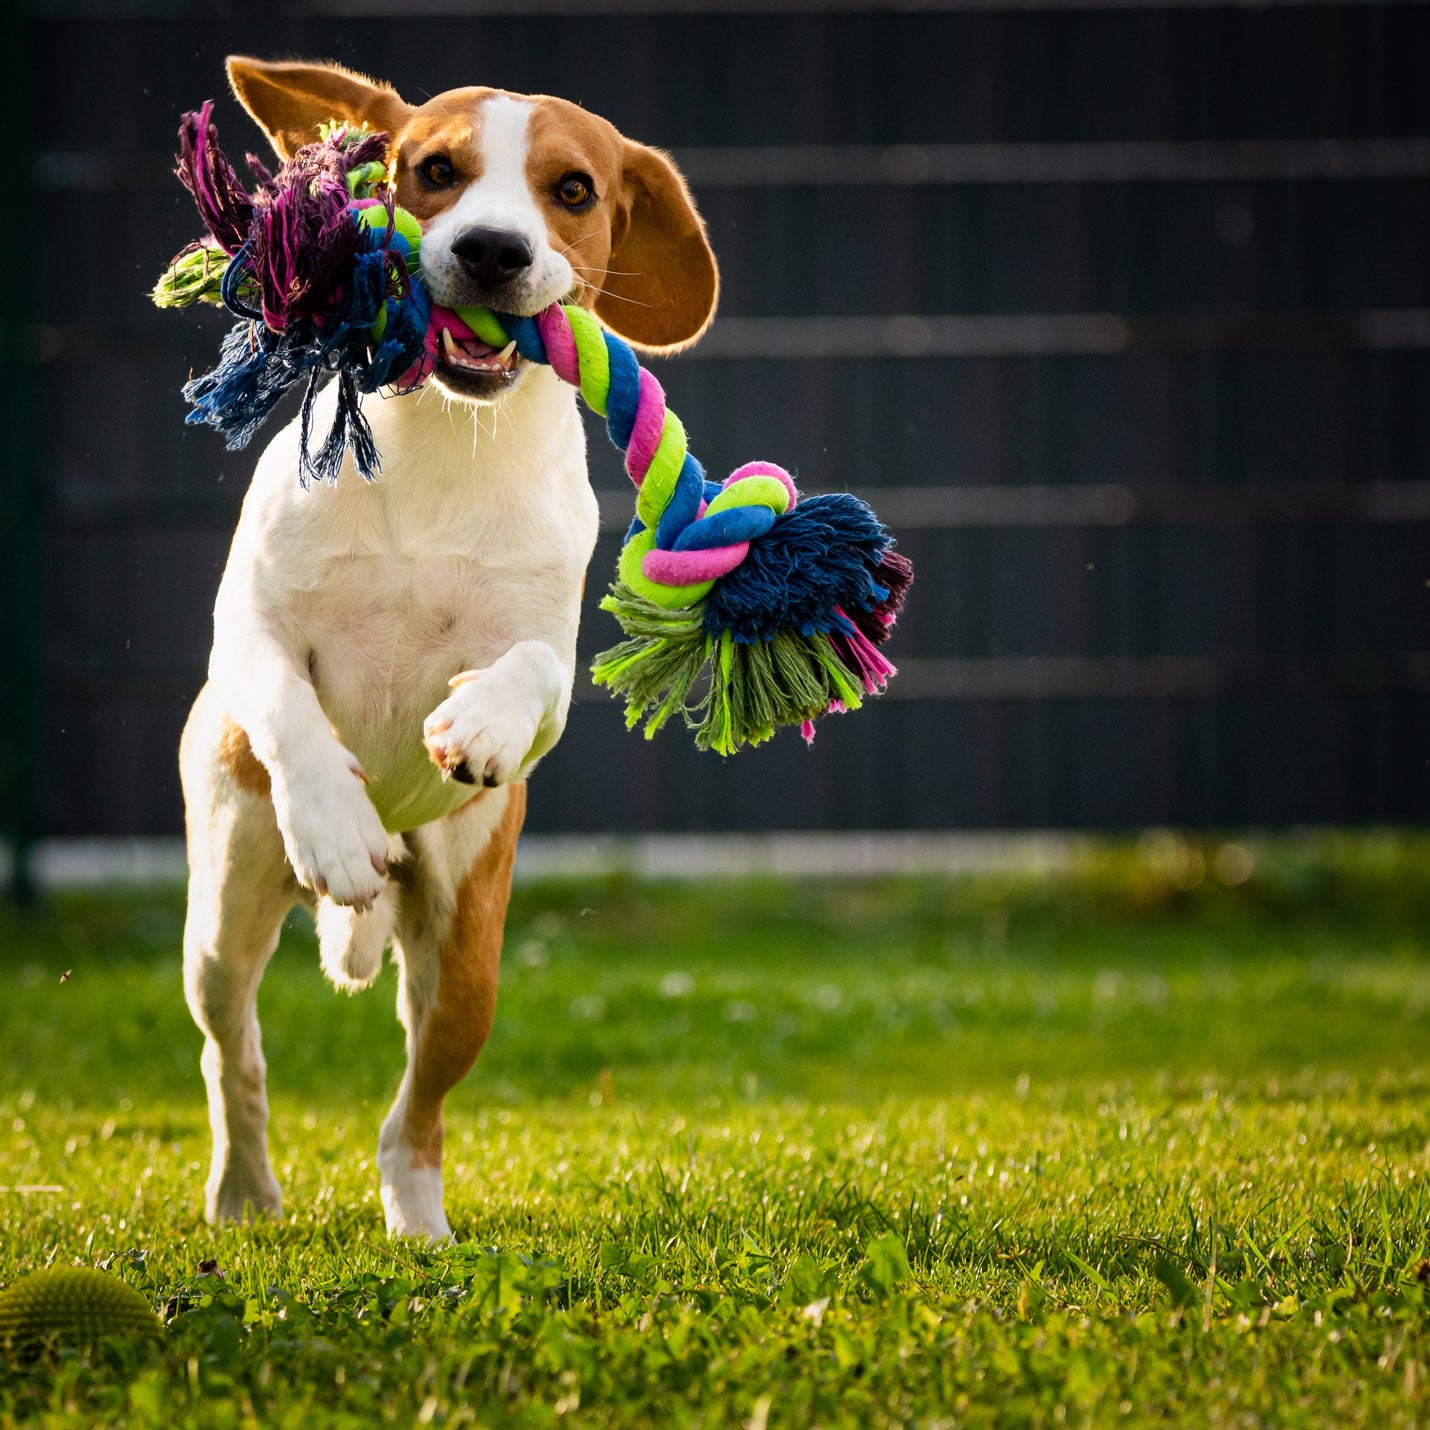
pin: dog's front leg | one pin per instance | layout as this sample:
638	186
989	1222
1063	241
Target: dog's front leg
331	833
500	720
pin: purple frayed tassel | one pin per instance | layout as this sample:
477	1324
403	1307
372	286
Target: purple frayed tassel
299	244
223	204
895	574
303	243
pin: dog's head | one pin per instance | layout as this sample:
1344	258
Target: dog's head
524	200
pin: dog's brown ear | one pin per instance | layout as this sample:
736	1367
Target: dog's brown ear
290	99
662	284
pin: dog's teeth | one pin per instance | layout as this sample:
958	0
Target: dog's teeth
457	356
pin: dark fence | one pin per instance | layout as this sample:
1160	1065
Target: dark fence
1120	316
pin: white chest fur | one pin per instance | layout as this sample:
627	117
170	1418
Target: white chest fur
475	538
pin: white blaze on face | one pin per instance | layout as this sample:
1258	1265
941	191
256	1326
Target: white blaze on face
501	199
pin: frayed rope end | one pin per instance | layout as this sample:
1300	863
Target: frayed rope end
729	693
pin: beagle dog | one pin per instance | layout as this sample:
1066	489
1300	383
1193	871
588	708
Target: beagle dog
390	660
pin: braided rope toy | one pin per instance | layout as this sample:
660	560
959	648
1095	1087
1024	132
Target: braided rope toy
782	602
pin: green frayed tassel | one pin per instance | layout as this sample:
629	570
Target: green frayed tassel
657	666
751	690
196	276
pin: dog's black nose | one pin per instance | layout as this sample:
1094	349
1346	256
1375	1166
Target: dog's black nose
492	256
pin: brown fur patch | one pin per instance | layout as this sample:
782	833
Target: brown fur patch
456	1027
640	251
235	754
562	138
448	127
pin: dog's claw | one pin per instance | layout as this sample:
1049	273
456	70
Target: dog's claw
320	886
380	864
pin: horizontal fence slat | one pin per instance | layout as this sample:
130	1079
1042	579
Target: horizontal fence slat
542	9
957	253
934	508
932	679
97	171
920	335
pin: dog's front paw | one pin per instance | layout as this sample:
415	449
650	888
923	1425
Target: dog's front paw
333	837
482	732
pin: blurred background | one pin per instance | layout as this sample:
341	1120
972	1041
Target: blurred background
1118	314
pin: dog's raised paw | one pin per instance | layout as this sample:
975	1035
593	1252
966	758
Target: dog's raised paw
483	731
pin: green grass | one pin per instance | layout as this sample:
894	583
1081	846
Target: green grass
1099	1149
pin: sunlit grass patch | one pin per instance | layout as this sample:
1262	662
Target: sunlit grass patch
1142	1143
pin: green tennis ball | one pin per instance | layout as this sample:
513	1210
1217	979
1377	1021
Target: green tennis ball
408	226
404	222
72	1305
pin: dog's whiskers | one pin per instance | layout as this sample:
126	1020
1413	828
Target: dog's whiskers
619	297
580	238
605	272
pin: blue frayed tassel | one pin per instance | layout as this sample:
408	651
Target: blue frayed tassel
257	365
237	396
822	554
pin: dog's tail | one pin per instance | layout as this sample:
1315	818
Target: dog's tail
351	942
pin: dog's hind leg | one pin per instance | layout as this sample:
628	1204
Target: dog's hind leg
351	941
240	889
449	938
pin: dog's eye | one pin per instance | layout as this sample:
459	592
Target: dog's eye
574	190
437	172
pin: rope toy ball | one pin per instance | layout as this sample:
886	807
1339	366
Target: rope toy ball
779	602
73	1306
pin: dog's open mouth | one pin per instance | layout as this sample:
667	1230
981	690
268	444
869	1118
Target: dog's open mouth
473	355
470	367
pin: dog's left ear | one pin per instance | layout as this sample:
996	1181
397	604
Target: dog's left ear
662	283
